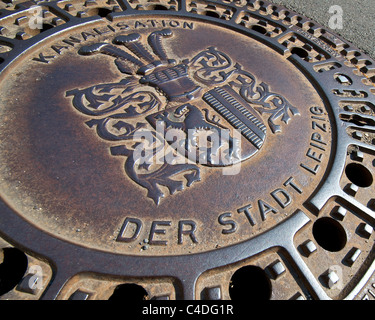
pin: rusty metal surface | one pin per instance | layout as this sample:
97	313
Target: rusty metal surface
255	128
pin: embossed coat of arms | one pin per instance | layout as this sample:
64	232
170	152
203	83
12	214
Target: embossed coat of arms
169	115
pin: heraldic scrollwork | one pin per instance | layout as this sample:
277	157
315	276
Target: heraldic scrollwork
208	93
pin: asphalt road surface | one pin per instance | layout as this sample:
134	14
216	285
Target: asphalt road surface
358	18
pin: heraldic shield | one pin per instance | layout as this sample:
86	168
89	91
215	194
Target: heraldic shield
174	115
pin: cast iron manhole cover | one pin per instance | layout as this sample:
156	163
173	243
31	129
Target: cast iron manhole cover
183	150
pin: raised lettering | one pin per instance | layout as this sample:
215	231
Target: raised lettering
246	211
43	58
139	24
154	231
317	138
317	146
86	35
123	237
290	182
224	222
72	41
174	23
265	208
59	49
316	110
312	154
190	232
105	30
318	118
322	127
153	22
282	197
122	25
189	25
313	171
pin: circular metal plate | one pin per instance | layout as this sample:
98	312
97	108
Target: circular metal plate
191	148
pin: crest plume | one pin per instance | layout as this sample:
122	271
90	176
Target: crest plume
160	72
132	42
154	40
108	49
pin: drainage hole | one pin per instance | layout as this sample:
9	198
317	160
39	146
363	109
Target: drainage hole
12	269
159	7
46	26
129	292
302	53
250	283
259	29
101	12
211	14
329	234
359	175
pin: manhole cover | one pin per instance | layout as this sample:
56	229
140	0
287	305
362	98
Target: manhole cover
183	150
